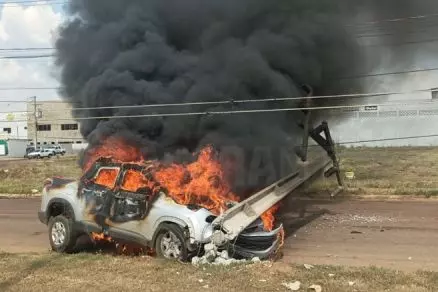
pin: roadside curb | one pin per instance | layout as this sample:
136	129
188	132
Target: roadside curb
19	196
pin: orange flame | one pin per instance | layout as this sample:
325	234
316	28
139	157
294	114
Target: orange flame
107	177
268	217
100	237
202	182
117	149
134	180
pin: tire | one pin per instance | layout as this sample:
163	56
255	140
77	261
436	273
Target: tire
39	156
171	237
62	236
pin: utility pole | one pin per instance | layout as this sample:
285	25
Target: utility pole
35	114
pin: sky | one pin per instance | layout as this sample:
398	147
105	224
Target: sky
36	25
25	27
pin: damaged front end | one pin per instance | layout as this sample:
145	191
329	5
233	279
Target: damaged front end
255	241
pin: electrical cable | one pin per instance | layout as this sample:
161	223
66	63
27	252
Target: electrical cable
213	113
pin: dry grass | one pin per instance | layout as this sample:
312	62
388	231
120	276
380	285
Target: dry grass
379	171
87	272
22	177
388	171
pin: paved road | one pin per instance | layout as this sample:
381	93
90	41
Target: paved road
401	235
20	229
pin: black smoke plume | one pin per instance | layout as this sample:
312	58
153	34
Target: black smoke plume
116	53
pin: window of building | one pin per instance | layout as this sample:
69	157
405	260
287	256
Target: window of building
78	142
44	128
69	127
7	130
25	128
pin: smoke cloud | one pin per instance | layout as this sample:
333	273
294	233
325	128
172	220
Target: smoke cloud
116	53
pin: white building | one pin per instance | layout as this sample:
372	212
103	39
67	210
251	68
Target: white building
13	126
390	124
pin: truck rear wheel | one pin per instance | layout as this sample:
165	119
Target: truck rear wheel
171	243
61	234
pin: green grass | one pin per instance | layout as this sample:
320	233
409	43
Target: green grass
24	176
88	272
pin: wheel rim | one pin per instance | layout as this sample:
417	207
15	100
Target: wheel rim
58	233
171	245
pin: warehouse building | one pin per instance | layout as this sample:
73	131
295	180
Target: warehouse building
54	124
13	126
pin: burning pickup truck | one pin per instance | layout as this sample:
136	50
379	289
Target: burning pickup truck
125	202
175	210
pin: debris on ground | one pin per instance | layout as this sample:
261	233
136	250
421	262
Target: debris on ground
293	286
35	191
356	232
331	275
214	257
316	288
351	283
308	267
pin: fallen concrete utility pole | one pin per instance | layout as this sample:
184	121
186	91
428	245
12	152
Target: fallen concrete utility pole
233	221
240	216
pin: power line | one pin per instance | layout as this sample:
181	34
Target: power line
28	1
337	143
415	17
386	73
402	43
334	78
27	57
19	4
232	102
29	88
388	139
25	49
230	112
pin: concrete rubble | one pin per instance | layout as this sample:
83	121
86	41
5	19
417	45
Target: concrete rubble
293	286
214	257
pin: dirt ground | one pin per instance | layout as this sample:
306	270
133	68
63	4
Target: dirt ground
399	235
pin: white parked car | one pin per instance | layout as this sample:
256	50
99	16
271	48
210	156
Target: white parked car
57	149
41	153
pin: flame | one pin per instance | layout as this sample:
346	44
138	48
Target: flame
202	182
122	249
116	148
268	217
134	180
107	177
100	237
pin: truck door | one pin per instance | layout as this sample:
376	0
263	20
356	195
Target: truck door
133	197
98	192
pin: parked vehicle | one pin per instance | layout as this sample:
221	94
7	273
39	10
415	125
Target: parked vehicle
39	154
57	149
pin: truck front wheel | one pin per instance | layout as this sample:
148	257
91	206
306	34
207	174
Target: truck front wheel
171	243
61	234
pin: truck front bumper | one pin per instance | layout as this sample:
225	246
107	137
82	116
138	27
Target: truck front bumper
261	244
